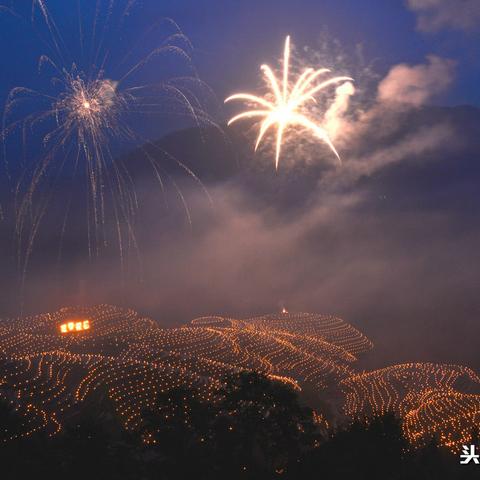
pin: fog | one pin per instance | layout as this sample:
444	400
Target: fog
388	240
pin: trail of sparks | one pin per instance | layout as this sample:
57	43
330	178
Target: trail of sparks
288	105
86	115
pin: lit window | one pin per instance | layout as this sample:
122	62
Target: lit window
75	326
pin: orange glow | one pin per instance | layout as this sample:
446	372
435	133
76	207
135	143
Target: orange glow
75	326
297	349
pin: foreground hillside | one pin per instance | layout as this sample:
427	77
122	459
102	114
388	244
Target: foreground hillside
52	363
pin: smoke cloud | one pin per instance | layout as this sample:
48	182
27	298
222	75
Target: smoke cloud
334	117
387	240
415	85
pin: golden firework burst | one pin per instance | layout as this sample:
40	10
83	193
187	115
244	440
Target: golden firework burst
288	107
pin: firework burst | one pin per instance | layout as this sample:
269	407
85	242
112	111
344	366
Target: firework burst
92	107
285	106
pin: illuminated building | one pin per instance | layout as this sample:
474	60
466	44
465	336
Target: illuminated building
75	326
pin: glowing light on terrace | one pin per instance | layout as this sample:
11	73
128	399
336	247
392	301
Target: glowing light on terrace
75	326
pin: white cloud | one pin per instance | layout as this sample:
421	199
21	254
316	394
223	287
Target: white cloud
334	117
418	144
415	85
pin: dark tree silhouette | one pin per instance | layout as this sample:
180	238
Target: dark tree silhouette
261	428
92	445
255	429
376	449
177	432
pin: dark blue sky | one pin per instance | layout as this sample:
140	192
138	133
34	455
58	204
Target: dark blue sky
232	37
235	36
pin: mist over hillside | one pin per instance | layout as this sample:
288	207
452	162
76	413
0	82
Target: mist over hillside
389	240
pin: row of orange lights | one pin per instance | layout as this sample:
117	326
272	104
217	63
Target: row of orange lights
75	326
288	347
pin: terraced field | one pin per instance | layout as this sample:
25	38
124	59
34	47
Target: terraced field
50	364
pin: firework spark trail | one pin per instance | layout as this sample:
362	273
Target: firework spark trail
87	114
288	105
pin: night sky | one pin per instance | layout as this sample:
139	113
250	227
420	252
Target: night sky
231	38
